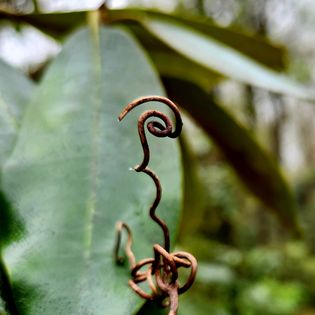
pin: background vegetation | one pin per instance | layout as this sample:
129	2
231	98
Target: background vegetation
239	71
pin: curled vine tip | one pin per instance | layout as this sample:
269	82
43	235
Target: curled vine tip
160	272
160	99
162	128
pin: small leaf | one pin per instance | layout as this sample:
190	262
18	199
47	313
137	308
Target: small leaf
216	56
254	166
68	180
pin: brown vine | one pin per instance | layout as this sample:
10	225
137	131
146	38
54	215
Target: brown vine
162	270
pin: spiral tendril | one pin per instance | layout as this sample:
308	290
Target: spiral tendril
162	270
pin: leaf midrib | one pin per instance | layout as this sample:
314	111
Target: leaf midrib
96	108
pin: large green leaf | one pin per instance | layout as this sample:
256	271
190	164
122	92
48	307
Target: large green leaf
255	167
68	180
216	56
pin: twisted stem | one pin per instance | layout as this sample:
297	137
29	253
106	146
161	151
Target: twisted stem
161	271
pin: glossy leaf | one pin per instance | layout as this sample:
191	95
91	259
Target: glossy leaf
223	59
254	166
69	183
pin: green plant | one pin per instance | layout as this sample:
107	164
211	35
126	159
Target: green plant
64	160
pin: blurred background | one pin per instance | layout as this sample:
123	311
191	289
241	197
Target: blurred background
249	263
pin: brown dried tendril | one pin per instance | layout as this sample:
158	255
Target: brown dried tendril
160	272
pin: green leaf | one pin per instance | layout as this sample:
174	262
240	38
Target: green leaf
15	93
169	63
254	166
216	56
254	47
68	180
